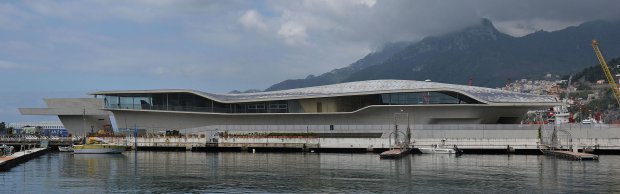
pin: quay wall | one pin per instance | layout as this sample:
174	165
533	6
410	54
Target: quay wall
501	137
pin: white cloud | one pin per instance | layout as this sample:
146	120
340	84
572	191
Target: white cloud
369	3
8	65
17	45
79	37
11	18
136	11
252	19
520	28
279	38
293	33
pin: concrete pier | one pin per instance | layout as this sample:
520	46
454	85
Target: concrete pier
394	154
313	144
7	162
472	139
571	155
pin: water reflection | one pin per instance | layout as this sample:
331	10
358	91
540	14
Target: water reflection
198	172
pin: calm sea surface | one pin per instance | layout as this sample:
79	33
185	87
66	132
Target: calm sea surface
199	172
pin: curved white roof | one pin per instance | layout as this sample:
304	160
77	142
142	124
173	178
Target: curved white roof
485	95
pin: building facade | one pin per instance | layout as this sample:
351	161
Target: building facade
370	104
78	115
363	105
46	128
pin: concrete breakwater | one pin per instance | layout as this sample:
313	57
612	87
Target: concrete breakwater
470	138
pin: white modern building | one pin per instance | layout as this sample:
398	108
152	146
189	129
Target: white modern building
43	124
48	128
78	115
369	104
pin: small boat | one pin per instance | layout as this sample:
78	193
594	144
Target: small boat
97	145
438	150
441	149
561	115
587	121
65	148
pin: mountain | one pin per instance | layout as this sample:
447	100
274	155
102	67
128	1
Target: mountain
247	91
339	75
481	53
594	73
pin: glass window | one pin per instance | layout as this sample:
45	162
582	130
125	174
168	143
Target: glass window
425	98
385	98
173	100
192	102
142	102
111	101
126	102
158	101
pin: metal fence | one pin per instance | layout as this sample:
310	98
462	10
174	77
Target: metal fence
357	128
35	138
528	131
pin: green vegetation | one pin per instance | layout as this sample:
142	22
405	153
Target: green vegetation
2	128
589	74
172	132
583	94
600	104
586	78
582	87
603	103
595	72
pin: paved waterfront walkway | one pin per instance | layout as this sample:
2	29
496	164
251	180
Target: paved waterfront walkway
5	159
573	155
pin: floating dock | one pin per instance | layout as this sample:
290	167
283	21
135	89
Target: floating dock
394	154
571	155
7	162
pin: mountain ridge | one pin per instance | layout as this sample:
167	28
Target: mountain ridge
478	52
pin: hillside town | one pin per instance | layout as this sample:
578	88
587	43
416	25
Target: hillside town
586	101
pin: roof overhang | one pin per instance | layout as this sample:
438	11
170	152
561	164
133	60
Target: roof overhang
528	106
61	111
483	95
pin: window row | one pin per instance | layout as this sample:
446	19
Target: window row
195	103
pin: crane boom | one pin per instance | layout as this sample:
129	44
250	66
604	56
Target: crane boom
610	78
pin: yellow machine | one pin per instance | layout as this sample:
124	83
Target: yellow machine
610	78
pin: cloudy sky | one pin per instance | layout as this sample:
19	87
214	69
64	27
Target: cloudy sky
68	48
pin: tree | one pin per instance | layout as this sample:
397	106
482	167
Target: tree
2	127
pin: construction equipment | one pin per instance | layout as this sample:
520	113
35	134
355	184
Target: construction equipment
610	78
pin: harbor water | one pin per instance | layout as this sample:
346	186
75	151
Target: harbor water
199	172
